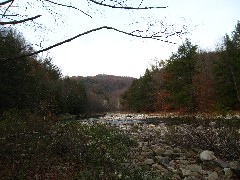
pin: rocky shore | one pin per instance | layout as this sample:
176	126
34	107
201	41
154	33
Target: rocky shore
168	161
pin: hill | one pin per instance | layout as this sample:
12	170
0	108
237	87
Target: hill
104	91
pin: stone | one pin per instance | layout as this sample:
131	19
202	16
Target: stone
168	152
149	162
194	168
157	167
227	173
184	161
185	172
213	176
140	158
158	151
207	156
177	150
125	165
162	160
221	163
234	165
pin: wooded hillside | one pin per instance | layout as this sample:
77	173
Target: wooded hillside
104	91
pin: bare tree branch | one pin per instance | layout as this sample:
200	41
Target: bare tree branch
8	8
90	31
5	2
6	15
125	7
64	5
20	21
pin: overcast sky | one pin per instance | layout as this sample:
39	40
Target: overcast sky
109	52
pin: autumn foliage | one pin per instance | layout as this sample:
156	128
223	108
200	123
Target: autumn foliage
191	80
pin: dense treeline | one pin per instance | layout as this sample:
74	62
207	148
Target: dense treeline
191	80
34	84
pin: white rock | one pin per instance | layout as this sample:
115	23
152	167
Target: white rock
228	173
207	156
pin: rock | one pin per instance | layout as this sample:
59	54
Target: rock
183	161
177	150
140	158
125	165
213	176
234	165
221	163
162	160
185	172
158	151
194	168
168	152
157	167
207	156
194	176
227	173
149	162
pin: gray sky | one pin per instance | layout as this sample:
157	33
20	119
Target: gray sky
113	53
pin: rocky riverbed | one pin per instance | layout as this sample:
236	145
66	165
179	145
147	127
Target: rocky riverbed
155	154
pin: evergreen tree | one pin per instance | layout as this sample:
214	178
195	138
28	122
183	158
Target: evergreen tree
180	68
227	71
140	96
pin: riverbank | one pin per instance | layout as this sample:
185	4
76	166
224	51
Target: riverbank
170	145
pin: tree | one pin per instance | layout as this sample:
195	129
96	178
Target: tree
180	68
73	97
14	73
227	71
28	83
140	96
15	12
203	81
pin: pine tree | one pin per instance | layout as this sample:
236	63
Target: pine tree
227	71
181	68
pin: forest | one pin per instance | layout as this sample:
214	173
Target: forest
34	84
191	80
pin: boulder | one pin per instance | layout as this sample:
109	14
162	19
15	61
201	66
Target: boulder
207	156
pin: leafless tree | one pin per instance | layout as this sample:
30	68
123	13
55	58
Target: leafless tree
9	17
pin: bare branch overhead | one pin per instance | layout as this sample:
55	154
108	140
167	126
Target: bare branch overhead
20	21
5	2
69	6
159	38
125	7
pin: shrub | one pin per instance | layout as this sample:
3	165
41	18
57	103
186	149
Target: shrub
33	147
221	136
